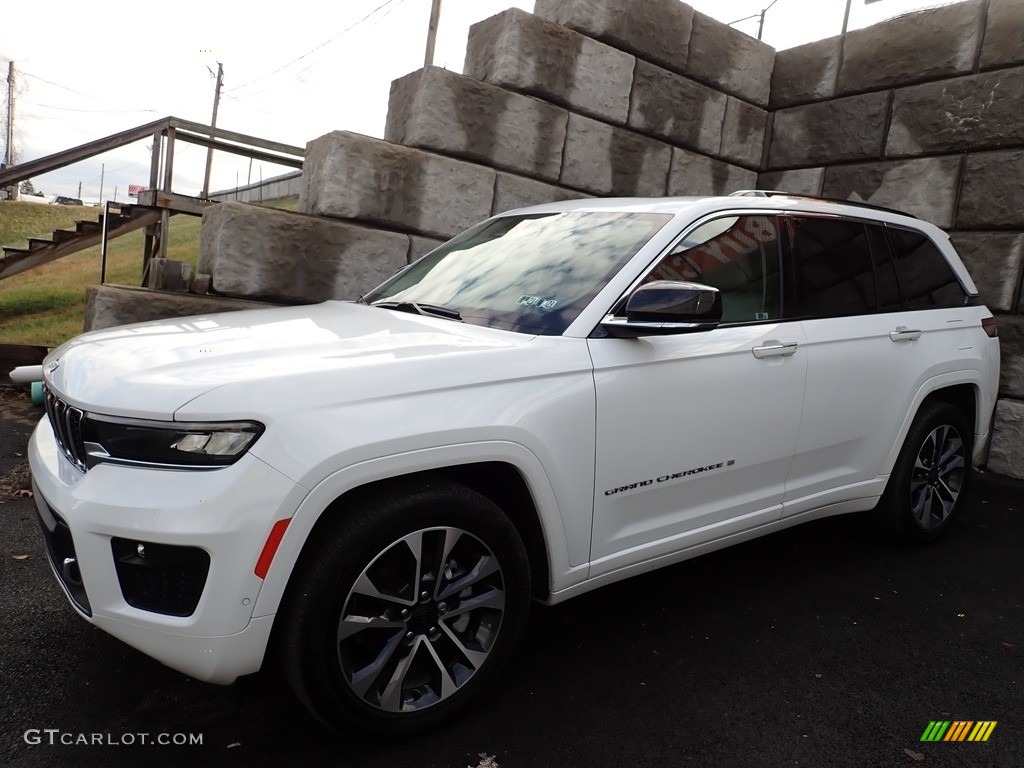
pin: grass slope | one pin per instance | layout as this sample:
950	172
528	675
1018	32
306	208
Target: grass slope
46	305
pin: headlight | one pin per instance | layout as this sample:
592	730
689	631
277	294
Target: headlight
169	444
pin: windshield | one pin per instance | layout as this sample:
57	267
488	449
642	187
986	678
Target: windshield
532	274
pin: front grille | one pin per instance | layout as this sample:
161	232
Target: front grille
66	421
60	548
160	577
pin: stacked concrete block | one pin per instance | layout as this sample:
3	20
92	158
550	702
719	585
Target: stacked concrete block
1003	42
991	197
350	176
421	246
995	261
1005	455
805	73
942	42
606	160
585	98
697	99
729	60
694	174
439	111
109	305
969	113
802	181
679	110
1011	336
528	54
743	132
851	128
511	192
656	30
282	256
925	187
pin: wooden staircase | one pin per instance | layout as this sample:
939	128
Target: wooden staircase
155	205
122	220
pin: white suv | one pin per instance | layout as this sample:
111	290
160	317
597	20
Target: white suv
369	493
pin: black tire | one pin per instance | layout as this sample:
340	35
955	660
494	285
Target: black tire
927	485
431	654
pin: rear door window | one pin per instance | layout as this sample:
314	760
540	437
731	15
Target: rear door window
829	270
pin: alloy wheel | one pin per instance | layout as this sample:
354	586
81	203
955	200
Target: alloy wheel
421	619
937	477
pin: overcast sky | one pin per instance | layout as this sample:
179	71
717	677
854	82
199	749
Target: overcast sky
85	71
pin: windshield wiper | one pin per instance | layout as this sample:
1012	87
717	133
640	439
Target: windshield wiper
416	308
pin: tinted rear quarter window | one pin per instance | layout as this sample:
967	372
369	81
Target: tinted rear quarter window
926	279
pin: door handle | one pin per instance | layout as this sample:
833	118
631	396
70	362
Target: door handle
902	333
775	349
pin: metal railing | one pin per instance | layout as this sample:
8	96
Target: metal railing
171	128
164	133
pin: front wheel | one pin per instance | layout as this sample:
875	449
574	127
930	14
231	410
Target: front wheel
925	490
409	610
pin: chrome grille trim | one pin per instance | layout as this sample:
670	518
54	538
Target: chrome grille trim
66	421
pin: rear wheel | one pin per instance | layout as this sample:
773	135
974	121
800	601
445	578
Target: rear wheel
925	490
408	611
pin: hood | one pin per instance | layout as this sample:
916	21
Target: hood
150	370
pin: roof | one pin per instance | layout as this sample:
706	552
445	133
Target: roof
747	200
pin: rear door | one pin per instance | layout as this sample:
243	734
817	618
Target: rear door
872	336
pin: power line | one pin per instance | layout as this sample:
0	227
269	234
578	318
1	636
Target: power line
40	117
314	63
246	105
380	7
58	85
94	111
80	93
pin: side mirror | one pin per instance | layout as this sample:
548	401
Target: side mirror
667	307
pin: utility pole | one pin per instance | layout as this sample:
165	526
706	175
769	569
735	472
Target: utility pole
760	25
79	190
213	124
103	171
13	189
435	17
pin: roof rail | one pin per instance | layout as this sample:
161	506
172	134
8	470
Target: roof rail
780	193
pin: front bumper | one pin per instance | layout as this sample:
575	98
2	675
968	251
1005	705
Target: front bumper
186	597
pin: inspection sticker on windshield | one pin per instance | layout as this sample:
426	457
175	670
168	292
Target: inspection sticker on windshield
537	301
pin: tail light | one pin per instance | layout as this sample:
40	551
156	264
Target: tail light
990	327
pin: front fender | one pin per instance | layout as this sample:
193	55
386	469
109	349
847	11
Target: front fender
319	499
